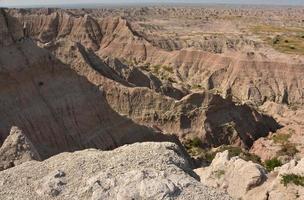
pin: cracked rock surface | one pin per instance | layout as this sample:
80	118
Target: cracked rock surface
137	171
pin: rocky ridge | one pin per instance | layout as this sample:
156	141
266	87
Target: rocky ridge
158	171
245	75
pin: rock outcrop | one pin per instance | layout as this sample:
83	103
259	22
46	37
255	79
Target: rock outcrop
275	188
291	135
233	175
250	181
17	149
138	171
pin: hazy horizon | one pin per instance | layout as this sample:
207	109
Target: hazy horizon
29	3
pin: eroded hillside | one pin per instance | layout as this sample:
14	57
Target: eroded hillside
212	79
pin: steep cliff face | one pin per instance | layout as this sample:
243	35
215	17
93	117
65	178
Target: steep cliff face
10	32
58	109
211	118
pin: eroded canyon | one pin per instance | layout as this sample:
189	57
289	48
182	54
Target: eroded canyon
208	79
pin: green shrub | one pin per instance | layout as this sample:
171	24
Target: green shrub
272	163
195	142
233	151
288	149
193	146
237	151
281	138
209	156
219	173
292	178
168	69
197	86
156	69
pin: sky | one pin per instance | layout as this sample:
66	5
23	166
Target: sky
9	3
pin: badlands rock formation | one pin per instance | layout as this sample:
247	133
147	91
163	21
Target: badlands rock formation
79	95
291	135
57	109
250	73
138	171
74	79
249	181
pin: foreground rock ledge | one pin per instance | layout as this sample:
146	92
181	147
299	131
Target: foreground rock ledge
137	171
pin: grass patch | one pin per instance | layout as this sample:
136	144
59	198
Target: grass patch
196	86
237	151
292	44
194	146
216	91
281	138
163	72
195	142
272	163
157	69
232	152
219	173
168	69
292	179
288	149
286	40
264	28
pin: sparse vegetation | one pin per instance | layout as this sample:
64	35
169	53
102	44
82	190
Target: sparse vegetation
292	179
287	39
237	151
168	68
219	173
163	72
195	142
281	138
194	146
264	28
288	149
272	163
196	86
288	44
217	91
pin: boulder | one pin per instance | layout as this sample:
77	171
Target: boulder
233	175
249	181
